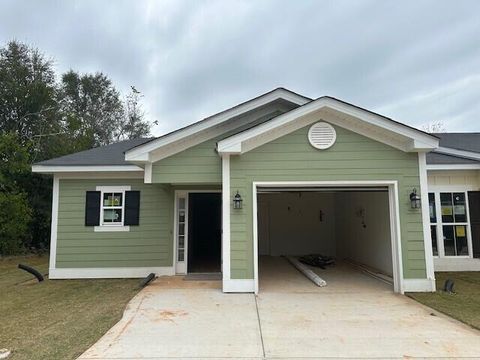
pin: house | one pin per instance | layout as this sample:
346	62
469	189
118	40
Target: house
280	174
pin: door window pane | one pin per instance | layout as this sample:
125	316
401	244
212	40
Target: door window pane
459	208
181	255
447	207
433	230
433	211
449	240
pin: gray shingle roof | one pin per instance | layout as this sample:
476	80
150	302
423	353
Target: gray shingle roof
460	141
436	159
104	155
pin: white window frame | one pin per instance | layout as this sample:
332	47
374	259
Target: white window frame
107	227
439	223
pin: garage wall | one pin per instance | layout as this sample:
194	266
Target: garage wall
352	157
363	229
291	223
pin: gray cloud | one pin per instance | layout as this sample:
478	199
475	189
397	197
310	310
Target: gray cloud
417	62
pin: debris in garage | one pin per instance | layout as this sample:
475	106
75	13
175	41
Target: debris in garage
317	280
317	260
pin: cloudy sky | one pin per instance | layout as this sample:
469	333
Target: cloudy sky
415	61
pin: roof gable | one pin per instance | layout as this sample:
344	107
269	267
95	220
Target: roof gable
213	126
337	112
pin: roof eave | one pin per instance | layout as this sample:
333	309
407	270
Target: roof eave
52	169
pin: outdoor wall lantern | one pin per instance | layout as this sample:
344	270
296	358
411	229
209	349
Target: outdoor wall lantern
237	201
414	199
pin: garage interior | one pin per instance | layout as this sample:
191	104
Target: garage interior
351	225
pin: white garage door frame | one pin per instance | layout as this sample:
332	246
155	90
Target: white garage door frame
395	234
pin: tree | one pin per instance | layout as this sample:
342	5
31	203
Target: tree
93	113
27	94
434	127
15	212
132	125
41	118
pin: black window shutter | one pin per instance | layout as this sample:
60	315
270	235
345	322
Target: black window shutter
92	208
474	210
132	208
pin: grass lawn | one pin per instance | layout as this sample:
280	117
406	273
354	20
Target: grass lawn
57	319
463	305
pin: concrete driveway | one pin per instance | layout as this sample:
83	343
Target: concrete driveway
355	316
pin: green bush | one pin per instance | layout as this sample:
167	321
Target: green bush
15	217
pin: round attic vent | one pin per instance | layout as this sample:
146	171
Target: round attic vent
322	135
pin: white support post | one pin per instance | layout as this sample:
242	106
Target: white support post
225	220
427	236
53	230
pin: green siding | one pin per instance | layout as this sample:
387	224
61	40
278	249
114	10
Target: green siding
199	164
352	157
148	245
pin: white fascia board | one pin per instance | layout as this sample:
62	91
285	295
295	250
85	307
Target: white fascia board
420	141
433	167
141	152
50	169
460	153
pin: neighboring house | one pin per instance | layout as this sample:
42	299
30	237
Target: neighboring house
280	174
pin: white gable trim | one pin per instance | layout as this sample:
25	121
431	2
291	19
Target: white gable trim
414	140
141	153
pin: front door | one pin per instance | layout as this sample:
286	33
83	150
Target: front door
204	232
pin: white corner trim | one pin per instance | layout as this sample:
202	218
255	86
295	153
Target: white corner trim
54	224
396	237
419	285
460	153
111	228
109	273
140	153
433	167
427	236
238	285
225	218
148	173
50	169
113	188
424	141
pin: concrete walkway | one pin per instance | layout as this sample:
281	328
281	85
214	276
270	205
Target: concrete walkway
355	316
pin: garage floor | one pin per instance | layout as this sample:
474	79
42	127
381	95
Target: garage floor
355	316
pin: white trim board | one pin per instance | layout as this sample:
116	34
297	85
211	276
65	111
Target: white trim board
433	167
226	219
141	153
394	220
419	285
422	169
238	285
54	224
392	133
51	169
109	273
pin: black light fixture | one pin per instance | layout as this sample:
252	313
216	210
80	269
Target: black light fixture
237	201
414	199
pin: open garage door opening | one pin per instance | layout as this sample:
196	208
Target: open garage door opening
352	225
